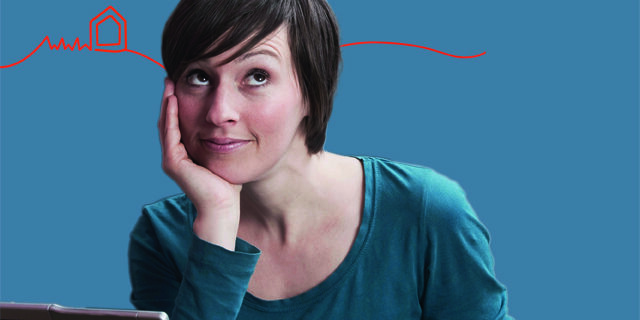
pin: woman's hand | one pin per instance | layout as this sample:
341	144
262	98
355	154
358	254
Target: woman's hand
216	200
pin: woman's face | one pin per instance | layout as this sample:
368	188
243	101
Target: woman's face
242	120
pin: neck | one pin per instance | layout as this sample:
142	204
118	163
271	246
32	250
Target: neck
288	200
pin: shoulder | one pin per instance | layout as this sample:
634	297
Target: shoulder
437	189
441	202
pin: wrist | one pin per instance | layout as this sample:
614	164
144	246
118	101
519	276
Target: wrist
217	226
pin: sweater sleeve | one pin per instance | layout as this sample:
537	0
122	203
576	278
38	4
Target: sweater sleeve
461	283
211	286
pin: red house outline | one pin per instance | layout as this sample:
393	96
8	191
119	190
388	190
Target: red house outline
98	34
119	46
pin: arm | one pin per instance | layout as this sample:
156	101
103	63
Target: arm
207	289
461	283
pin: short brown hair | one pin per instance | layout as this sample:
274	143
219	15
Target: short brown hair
314	42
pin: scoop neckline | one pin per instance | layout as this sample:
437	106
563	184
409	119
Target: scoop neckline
332	282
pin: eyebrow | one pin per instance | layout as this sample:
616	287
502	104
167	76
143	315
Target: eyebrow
255	53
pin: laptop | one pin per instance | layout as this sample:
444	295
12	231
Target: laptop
42	311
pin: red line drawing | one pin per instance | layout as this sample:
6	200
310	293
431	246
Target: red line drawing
122	29
121	45
119	33
412	45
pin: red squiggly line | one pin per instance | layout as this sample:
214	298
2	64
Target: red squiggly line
67	46
122	28
412	45
145	56
75	45
29	55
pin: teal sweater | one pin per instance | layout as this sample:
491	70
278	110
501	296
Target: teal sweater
420	253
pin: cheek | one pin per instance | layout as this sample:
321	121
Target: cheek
281	117
188	112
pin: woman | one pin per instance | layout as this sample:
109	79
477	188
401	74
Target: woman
244	113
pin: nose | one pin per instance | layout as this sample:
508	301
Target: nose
222	107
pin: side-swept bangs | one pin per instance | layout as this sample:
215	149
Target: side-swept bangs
197	24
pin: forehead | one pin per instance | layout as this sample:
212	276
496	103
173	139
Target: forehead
275	45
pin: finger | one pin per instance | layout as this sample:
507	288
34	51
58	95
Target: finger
168	92
172	127
172	149
169	87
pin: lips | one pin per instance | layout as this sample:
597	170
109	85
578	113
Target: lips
224	145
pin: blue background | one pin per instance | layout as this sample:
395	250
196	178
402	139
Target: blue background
542	133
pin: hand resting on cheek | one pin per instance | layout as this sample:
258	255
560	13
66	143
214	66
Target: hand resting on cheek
216	200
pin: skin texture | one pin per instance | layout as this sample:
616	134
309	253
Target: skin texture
255	99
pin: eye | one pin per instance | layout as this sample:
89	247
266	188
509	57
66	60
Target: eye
256	78
197	78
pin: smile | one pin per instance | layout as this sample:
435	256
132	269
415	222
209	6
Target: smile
224	145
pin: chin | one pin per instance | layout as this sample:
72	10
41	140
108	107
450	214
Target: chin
234	178
231	169
233	172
